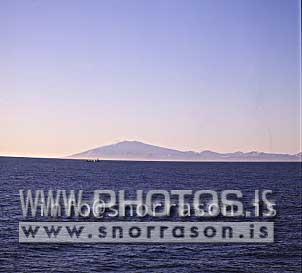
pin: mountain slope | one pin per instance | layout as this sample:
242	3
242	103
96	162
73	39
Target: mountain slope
135	150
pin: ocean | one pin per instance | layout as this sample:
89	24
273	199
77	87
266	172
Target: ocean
283	255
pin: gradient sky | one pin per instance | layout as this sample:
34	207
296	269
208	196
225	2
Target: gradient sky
191	75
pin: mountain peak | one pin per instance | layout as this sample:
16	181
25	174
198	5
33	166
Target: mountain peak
130	142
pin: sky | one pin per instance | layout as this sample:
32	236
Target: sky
190	75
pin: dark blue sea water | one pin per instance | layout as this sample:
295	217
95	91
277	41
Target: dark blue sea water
284	255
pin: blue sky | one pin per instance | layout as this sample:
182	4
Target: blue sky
191	75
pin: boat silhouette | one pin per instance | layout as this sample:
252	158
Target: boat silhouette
93	160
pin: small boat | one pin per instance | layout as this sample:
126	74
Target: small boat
93	160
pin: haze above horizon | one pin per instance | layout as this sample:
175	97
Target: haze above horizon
190	75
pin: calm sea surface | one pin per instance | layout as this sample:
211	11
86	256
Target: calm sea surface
284	255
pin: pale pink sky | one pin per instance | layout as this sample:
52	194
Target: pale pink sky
190	75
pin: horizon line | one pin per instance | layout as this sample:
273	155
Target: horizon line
157	160
145	143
